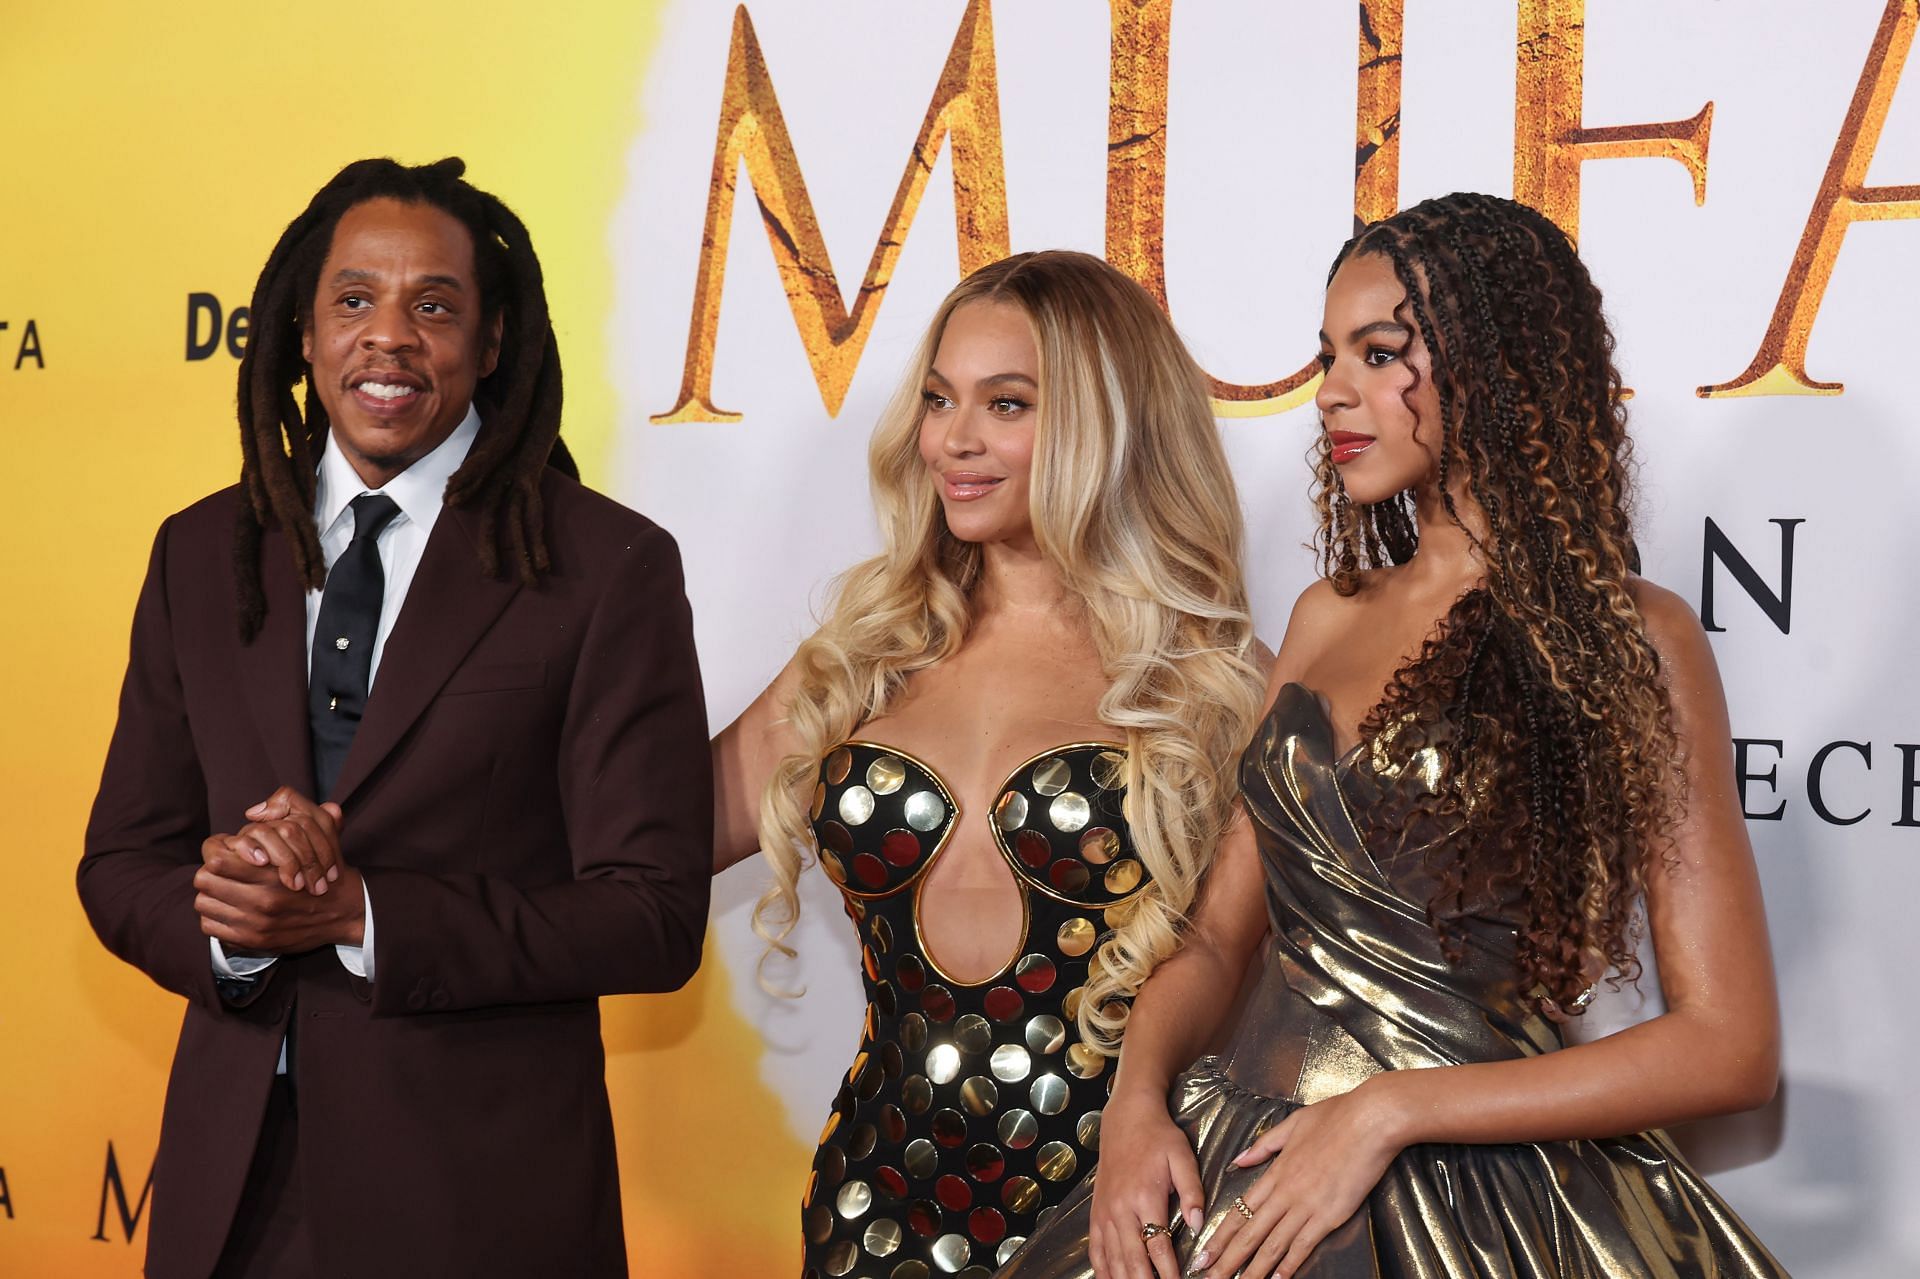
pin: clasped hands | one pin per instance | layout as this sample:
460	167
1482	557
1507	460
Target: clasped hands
279	885
1321	1163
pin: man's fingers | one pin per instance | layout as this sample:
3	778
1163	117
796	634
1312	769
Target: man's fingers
288	848
322	842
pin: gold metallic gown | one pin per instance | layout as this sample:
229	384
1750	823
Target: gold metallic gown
1355	983
972	1107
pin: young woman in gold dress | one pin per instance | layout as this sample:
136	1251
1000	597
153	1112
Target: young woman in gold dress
1488	740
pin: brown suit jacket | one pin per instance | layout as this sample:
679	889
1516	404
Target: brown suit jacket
530	800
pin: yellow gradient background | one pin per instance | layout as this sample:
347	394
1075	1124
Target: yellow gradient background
154	151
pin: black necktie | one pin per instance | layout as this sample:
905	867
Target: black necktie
343	640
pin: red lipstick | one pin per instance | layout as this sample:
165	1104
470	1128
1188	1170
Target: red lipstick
1348	445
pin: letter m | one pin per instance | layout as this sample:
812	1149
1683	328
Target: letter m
1718	547
965	108
112	1185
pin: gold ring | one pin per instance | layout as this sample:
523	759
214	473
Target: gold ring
1150	1231
1239	1205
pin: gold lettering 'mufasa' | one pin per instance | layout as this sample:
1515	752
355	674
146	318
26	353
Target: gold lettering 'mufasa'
965	112
1551	143
1780	366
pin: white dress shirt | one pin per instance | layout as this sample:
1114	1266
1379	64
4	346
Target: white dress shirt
419	492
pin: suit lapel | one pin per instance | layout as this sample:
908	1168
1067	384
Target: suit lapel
449	606
273	667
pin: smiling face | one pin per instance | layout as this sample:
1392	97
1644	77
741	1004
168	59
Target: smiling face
1377	400
398	336
976	432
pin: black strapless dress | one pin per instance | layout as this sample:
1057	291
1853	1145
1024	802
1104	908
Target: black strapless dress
972	1108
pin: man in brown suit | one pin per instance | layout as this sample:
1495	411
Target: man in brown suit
408	611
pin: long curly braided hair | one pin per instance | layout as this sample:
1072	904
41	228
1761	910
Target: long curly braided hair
281	436
1563	770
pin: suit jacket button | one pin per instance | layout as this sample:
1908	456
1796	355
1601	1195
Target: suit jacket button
440	999
417	1000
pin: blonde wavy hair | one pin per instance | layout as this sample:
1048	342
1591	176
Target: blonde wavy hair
1133	504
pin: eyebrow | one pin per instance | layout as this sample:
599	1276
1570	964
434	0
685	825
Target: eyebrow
1367	330
985	383
353	275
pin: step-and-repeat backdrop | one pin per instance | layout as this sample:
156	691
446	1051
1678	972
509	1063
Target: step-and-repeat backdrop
747	213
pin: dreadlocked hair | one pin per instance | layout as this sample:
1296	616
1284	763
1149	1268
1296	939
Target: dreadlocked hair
282	434
1562	770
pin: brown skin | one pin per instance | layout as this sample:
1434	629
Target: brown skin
1028	677
1714	1051
398	303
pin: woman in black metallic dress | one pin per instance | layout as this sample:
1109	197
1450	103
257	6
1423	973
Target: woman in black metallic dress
1010	745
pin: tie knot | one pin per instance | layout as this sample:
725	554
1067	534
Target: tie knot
371	513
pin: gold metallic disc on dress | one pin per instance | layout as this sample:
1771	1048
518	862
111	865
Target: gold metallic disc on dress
883	1237
1068	876
950	1253
826	1132
856	805
1049	1094
911	1270
1076	937
839	764
1011	811
1085	1061
819	801
1008	1246
1124	876
913	1032
979	1095
837	837
1018	1129
972	1033
853	1200
977	1272
1099	845
1120	914
925	810
1068	812
1070	1006
916	1094
1045	1034
893	1124
943	1063
949	1127
831	864
1010	1063
985	1162
1051	776
1056	1161
1109	770
1020	1194
910	973
861	1140
886	774
892	1061
1087	1131
882	933
922	1159
817	1223
841	1258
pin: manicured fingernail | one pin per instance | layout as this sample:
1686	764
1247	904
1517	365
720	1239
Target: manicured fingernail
1194	1221
257	857
299	880
1200	1260
257	809
333	874
320	887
